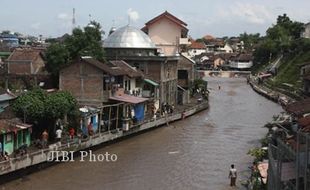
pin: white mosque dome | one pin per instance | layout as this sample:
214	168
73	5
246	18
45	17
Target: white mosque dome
128	37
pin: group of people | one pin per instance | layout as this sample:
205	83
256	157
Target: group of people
58	135
166	108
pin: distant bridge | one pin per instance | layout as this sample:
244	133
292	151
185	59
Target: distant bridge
227	74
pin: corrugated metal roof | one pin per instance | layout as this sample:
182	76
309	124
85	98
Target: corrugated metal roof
6	97
151	82
128	99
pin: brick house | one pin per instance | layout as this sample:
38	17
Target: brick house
25	68
25	61
92	82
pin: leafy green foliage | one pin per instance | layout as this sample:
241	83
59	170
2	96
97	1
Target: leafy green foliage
57	56
258	153
82	42
249	40
30	104
36	105
281	38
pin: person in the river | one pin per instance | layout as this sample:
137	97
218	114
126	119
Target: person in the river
232	175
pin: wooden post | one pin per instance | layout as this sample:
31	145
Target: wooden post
100	117
109	124
117	109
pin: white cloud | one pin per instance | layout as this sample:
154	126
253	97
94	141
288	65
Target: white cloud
247	12
133	15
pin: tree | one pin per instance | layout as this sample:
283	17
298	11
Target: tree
249	40
281	38
30	106
82	42
44	109
57	57
86	42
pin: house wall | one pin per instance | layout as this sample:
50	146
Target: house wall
165	34
8	146
187	65
37	65
19	67
169	71
84	81
227	48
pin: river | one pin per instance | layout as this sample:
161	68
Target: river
194	153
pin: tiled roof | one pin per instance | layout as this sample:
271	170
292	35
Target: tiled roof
197	45
115	68
103	66
127	69
166	14
208	37
12	125
26	54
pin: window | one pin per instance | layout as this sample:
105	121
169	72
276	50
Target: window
182	74
8	137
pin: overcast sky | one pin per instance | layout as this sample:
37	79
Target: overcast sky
215	17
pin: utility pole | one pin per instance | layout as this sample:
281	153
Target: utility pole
73	18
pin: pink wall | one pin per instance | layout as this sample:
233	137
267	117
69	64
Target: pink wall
165	34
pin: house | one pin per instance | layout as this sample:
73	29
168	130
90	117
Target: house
111	88
236	44
305	74
5	100
226	49
9	40
306	32
137	49
14	134
243	61
167	31
186	77
25	68
92	82
196	48
25	61
214	44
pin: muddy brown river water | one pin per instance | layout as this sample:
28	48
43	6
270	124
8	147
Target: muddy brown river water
195	153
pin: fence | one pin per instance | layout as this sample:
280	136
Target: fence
289	164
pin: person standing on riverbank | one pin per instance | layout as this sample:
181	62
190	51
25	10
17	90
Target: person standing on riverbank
232	175
44	137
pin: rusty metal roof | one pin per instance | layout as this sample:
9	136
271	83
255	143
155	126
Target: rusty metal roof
127	69
299	108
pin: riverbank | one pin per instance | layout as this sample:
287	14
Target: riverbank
41	156
270	94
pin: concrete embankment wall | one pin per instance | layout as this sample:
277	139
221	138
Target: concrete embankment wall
41	156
